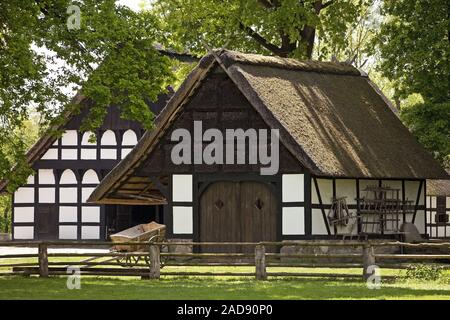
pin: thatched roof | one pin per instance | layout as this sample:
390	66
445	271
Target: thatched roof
331	118
438	188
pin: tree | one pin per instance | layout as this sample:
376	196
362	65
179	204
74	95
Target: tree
47	46
286	28
414	47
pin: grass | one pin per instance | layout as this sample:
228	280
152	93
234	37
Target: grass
223	288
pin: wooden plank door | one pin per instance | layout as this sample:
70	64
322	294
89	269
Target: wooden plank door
219	216
46	222
237	212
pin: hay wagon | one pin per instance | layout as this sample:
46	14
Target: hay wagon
150	232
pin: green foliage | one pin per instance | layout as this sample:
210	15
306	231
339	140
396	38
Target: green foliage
111	58
279	27
5	207
424	272
430	123
414	46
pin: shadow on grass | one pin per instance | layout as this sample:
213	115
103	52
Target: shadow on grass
208	288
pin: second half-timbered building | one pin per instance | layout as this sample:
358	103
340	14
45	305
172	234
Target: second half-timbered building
52	204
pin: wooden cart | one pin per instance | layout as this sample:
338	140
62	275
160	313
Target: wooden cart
150	232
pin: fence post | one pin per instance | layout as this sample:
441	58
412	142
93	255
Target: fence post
368	260
43	260
260	262
155	262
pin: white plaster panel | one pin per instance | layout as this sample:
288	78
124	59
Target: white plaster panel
69	154
293	187
50	154
182	220
346	188
90	214
69	138
68	177
293	221
325	189
88	154
68	195
182	188
90	177
420	221
85	140
24	195
47	195
24	214
125	152
68	214
318	224
129	138
411	189
23	233
108	154
46	176
68	232
90	232
85	193
30	179
108	138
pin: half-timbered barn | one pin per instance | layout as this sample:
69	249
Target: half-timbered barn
343	156
438	208
52	205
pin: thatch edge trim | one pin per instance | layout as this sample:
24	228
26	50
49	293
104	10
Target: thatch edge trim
229	58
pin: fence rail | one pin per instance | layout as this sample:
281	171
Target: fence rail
147	264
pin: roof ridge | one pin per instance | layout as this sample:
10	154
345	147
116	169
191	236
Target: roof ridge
230	57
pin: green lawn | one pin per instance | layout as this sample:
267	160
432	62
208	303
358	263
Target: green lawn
221	287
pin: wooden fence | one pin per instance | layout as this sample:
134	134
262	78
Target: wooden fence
148	263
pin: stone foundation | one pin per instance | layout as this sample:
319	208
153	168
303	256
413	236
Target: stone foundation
331	250
180	248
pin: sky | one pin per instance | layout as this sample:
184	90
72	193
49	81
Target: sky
134	4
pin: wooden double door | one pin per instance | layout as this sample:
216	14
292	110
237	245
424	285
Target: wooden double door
243	211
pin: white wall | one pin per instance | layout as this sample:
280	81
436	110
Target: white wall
182	220
24	195
182	188
68	177
90	232
23	233
129	138
68	232
293	221
68	214
24	214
